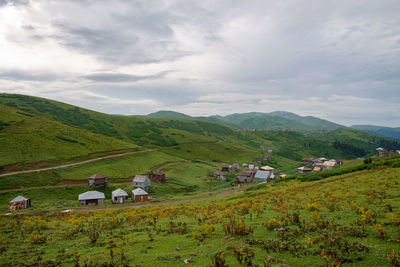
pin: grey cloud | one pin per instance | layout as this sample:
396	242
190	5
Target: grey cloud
121	77
27	76
14	2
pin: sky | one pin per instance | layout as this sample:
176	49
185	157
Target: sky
337	60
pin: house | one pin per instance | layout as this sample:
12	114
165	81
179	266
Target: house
382	152
317	169
91	198
318	163
267	158
235	167
119	196
97	181
141	181
139	195
267	168
19	203
264	176
329	164
157	176
245	177
270	151
251	166
225	168
303	169
220	176
308	161
322	159
245	165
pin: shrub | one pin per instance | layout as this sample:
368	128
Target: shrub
272	224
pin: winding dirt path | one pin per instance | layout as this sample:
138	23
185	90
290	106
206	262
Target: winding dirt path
77	163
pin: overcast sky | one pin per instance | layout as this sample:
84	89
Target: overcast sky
337	60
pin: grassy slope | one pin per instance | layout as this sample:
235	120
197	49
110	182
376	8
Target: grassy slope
324	208
29	139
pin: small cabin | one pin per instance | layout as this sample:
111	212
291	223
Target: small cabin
220	176
119	196
90	198
245	177
139	195
327	165
97	181
141	181
18	203
264	176
157	176
303	169
224	168
235	167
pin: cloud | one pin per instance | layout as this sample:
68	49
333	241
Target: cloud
339	61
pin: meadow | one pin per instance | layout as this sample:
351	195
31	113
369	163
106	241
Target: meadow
346	220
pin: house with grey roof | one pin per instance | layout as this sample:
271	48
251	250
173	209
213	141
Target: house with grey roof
141	181
91	198
119	196
20	202
264	176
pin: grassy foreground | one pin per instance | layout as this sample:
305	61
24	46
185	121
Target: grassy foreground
348	220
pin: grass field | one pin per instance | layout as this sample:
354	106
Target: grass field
349	220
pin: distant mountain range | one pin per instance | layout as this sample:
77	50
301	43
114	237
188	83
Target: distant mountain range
379	130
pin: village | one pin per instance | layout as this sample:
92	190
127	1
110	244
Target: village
244	174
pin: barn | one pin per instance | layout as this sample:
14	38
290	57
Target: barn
119	196
91	198
139	195
20	202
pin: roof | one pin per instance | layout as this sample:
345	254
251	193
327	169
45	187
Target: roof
329	163
119	193
244	173
304	168
91	195
139	192
262	174
317	169
219	173
267	168
19	199
140	178
157	172
97	176
235	165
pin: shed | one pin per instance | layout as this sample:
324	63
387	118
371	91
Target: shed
91	198
235	167
119	196
245	177
303	169
220	176
157	176
141	181
225	168
139	195
18	203
97	181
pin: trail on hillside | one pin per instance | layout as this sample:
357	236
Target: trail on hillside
100	158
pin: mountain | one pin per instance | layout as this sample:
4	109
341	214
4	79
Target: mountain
168	114
379	130
308	120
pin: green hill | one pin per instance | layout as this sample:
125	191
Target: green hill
308	120
379	130
168	114
27	138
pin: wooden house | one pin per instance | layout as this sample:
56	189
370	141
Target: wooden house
220	176
97	181
18	203
91	198
141	181
225	168
235	167
303	169
157	176
139	195
119	196
245	177
382	152
327	165
308	161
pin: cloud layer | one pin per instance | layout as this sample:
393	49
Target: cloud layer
335	60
